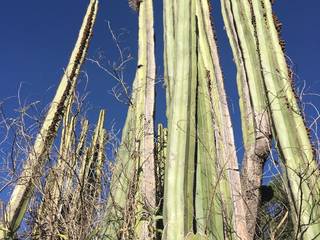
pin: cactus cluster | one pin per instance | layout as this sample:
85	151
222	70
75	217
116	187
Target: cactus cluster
183	182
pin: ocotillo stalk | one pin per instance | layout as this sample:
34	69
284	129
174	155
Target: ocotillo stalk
133	180
178	197
38	154
256	127
298	159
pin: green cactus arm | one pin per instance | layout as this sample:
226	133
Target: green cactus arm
103	137
24	188
256	123
94	145
181	125
294	145
137	144
76	156
208	209
225	147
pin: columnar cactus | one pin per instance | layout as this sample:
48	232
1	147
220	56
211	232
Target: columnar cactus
71	194
178	198
186	184
227	171
202	183
255	119
38	154
252	30
131	204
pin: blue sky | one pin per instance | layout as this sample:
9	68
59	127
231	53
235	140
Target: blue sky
37	38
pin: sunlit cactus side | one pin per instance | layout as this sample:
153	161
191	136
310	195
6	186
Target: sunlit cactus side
255	117
202	182
217	147
38	155
169	13
254	19
131	203
179	179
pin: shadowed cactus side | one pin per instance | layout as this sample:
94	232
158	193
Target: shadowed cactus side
226	196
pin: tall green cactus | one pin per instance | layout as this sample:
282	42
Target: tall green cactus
131	204
255	118
299	164
254	28
226	159
202	185
24	188
200	193
178	197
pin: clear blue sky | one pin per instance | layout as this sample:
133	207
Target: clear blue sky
37	38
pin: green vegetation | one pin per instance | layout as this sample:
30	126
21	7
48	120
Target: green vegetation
183	181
